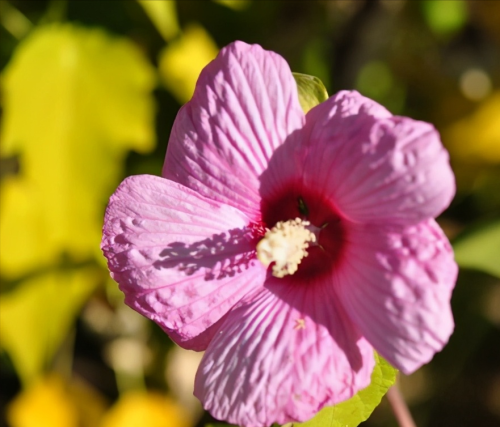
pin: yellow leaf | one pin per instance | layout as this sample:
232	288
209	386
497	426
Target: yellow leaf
14	21
44	404
182	61
137	409
37	315
163	15
234	4
22	227
476	138
75	100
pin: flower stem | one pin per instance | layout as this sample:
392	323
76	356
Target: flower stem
399	407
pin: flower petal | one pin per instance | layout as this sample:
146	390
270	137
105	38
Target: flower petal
244	106
272	362
372	166
181	259
396	286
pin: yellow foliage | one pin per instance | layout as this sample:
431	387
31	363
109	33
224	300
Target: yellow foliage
38	314
476	138
44	404
163	15
75	100
234	4
182	61
138	409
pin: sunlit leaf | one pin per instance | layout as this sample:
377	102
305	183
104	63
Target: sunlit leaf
37	315
480	249
312	91
75	100
163	15
358	408
445	16
234	4
146	409
182	61
45	403
477	136
23	227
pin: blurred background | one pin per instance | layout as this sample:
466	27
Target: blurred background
89	92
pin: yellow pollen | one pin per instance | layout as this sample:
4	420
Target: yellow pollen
285	244
300	324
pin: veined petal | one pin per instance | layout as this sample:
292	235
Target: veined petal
181	260
281	357
245	105
395	284
374	167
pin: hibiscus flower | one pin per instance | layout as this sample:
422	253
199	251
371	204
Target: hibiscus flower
288	246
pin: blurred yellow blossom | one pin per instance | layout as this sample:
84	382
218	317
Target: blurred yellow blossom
45	404
476	138
182	61
75	100
138	409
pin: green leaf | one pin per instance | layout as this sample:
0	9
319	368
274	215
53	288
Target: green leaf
74	101
480	249
312	91
481	126
375	80
358	408
445	17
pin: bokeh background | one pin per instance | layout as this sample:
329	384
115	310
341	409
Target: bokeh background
90	90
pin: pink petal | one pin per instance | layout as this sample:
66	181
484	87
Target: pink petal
396	286
181	259
372	166
283	356
244	106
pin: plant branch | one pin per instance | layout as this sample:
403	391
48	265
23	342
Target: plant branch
399	407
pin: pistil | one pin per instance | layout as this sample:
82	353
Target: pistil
285	244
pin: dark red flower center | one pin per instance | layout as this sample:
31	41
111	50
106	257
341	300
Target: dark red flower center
296	202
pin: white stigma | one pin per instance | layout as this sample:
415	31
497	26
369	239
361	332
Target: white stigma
285	244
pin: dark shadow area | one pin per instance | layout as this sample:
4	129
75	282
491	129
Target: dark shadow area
221	255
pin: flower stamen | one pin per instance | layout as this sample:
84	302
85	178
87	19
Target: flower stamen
285	244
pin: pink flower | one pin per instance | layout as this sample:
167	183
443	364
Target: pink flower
364	267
